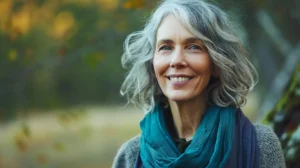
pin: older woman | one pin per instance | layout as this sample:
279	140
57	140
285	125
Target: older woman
190	74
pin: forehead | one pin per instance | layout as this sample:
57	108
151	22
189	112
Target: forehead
172	28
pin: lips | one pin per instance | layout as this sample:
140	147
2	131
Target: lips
179	78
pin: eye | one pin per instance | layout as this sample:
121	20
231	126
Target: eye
164	47
195	47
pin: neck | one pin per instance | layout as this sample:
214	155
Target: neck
187	116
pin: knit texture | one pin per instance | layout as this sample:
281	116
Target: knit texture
270	150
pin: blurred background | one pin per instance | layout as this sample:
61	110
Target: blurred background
60	76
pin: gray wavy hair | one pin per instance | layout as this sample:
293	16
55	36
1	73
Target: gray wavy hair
210	24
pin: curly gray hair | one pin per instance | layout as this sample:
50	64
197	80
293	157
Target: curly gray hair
210	24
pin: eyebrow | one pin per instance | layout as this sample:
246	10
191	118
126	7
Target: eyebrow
188	40
193	40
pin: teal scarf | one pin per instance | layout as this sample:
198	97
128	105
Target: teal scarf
210	147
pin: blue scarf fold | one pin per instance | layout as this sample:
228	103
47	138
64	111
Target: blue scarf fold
212	145
245	149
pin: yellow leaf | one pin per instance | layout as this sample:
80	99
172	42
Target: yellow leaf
127	5
12	55
5	9
131	4
63	23
20	21
108	4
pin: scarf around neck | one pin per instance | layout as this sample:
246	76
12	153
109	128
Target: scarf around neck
219	141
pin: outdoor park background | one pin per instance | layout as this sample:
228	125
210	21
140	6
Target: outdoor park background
60	76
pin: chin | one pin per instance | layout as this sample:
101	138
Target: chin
179	96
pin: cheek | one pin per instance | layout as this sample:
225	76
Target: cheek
204	66
200	68
160	66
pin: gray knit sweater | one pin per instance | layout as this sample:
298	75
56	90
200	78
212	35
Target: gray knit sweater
270	150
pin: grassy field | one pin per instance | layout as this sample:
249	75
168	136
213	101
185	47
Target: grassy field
83	137
77	138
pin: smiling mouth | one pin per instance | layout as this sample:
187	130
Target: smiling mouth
179	79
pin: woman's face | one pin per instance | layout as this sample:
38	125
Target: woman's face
181	62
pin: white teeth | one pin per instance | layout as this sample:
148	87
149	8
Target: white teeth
179	79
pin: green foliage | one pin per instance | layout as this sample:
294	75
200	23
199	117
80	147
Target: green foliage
57	54
285	120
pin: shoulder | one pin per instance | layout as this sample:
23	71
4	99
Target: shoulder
270	148
127	153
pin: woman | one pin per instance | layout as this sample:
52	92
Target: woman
190	74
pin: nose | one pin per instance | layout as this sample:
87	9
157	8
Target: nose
178	59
